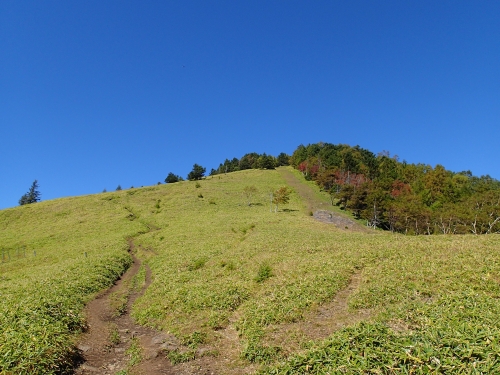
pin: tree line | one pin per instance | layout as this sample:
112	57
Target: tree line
399	196
251	160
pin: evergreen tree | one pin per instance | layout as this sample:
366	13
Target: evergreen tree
32	196
197	173
171	178
282	159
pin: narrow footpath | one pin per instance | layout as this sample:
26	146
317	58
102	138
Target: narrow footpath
114	343
319	207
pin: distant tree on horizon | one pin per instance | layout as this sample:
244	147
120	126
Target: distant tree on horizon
32	196
197	173
266	161
283	159
172	178
118	188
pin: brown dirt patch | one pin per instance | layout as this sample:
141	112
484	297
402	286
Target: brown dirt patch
317	206
321	322
104	346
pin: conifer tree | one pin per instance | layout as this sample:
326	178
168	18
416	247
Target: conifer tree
197	173
32	196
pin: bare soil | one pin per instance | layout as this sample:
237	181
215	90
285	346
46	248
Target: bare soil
319	207
321	322
104	346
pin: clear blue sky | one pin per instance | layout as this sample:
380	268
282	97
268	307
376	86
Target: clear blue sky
94	94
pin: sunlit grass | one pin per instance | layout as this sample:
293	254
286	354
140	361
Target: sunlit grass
217	261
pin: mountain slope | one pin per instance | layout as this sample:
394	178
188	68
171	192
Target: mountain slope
240	286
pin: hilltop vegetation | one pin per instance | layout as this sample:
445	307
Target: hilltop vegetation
402	197
246	289
389	194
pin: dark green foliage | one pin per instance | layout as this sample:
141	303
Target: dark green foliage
282	159
252	160
257	353
176	356
194	339
171	178
118	188
197	264
32	196
197	173
266	162
264	273
401	197
249	161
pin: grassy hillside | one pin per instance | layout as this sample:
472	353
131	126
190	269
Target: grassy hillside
253	287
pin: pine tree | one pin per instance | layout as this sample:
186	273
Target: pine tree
172	178
32	196
197	173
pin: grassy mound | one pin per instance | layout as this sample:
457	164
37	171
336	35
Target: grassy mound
220	264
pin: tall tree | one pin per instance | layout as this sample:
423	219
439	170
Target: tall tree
283	159
32	196
197	173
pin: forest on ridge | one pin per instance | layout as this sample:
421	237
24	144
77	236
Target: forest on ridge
388	193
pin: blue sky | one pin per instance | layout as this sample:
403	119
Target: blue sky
96	94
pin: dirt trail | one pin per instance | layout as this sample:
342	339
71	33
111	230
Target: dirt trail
105	345
317	206
320	323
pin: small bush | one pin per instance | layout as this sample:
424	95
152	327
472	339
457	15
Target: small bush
195	339
217	320
200	195
257	353
264	273
176	356
197	264
114	335
198	185
227	265
135	352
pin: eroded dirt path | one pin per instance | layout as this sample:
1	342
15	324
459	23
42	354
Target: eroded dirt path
317	206
108	345
321	322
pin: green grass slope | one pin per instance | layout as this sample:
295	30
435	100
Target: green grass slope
218	263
